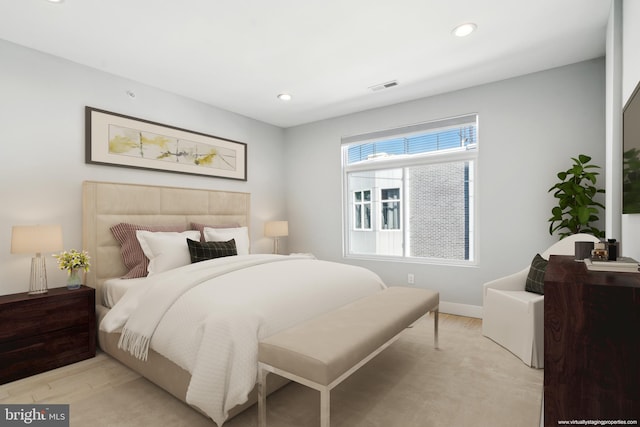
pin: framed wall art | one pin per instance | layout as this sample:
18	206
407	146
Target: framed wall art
119	140
631	154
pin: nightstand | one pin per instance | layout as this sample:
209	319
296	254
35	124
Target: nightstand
46	331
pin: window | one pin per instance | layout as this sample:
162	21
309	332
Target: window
410	192
390	198
362	209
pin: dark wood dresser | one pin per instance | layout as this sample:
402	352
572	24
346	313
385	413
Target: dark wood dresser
43	332
591	344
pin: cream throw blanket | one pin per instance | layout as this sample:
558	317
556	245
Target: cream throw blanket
141	325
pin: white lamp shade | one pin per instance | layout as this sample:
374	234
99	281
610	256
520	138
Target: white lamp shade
276	228
30	239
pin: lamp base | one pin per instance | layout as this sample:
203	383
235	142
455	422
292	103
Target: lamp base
38	280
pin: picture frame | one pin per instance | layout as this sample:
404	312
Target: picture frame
119	140
631	154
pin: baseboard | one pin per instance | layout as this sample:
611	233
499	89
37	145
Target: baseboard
461	309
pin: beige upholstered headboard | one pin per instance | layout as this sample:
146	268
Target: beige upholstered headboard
105	204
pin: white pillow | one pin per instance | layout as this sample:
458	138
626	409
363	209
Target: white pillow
240	234
166	249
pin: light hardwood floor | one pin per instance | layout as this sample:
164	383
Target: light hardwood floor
68	383
80	380
468	380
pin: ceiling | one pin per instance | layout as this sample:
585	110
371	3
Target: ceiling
240	54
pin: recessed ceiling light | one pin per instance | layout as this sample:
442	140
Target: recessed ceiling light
284	97
464	30
55	1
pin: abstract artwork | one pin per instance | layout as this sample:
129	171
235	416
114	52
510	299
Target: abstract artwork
115	139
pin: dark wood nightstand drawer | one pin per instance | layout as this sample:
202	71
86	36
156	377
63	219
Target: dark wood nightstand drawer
42	315
32	355
42	332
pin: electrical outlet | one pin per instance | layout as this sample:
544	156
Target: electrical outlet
410	279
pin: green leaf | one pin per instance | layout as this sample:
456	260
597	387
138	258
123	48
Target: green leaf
584	158
583	215
591	177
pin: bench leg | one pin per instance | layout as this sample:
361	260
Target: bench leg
435	327
325	410
262	396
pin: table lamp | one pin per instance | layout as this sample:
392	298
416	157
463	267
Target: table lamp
276	229
36	239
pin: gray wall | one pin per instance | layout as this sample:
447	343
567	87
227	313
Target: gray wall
42	132
529	127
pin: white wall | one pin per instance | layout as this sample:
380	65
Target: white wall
42	132
529	127
630	78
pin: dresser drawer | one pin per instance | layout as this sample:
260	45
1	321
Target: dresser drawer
32	355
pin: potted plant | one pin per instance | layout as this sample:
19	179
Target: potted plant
73	261
576	210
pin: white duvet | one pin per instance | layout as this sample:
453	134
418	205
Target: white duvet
208	317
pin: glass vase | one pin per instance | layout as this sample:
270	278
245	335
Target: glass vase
74	281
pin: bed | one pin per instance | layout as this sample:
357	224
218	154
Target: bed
238	300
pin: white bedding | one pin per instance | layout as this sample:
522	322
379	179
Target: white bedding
212	328
114	289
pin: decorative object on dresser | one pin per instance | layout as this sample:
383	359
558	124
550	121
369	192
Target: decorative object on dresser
622	265
583	250
276	229
43	332
36	239
591	344
599	252
73	261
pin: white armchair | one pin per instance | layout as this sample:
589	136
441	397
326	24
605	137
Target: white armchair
513	317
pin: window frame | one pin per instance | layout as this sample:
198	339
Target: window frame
378	163
363	204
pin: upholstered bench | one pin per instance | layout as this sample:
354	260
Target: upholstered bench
325	350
